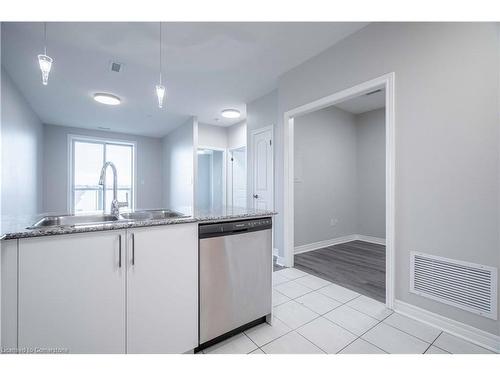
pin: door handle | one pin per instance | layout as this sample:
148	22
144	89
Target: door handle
256	196
133	249
119	251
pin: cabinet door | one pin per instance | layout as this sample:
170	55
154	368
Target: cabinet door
162	293
72	293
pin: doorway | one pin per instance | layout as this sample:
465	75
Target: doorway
385	83
211	178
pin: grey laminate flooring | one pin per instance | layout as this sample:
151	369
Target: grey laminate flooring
356	265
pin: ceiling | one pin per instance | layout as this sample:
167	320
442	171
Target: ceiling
364	103
207	67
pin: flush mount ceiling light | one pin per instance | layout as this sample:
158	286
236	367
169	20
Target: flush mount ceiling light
230	113
44	60
108	99
160	89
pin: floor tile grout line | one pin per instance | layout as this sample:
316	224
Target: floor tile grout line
411	334
432	343
356	338
276	338
244	333
342	304
310	341
346	303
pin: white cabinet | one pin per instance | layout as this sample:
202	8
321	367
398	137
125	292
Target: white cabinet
133	291
162	289
72	293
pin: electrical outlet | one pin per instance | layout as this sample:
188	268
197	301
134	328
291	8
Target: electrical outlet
333	222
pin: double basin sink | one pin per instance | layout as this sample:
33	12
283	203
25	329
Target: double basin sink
75	220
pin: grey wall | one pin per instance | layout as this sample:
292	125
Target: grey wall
370	166
447	137
55	182
178	164
22	158
325	189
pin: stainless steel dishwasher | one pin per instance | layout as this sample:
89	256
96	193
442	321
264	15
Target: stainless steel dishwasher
235	277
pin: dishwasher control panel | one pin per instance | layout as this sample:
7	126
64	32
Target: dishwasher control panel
234	227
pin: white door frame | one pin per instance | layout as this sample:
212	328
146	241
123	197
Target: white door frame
386	81
250	161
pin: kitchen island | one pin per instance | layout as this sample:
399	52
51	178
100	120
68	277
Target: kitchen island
128	286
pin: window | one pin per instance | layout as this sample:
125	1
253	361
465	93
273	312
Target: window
88	155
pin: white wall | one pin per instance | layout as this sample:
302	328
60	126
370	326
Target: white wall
237	135
230	137
212	136
22	158
55	181
370	159
204	181
447	137
178	164
325	188
224	138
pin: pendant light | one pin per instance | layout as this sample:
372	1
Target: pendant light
160	89
44	60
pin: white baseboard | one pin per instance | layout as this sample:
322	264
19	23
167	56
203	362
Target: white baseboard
325	243
337	241
465	331
371	239
279	260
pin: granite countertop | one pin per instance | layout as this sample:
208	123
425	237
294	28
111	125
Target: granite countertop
14	227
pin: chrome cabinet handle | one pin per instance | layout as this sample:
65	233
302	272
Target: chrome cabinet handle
119	251
133	249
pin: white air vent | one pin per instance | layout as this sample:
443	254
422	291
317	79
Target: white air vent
469	286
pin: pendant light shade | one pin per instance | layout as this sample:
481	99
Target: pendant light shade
160	93
160	89
45	63
44	60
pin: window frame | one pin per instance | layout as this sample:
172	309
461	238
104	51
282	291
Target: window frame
72	138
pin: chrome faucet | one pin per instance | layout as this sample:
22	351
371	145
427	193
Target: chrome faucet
115	205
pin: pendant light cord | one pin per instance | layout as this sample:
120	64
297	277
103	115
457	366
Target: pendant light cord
160	53
45	38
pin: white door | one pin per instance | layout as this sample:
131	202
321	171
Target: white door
162	293
72	293
237	176
262	144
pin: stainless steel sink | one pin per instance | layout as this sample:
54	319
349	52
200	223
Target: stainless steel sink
138	215
164	214
158	214
75	220
72	220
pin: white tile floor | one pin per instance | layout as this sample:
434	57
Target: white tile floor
312	315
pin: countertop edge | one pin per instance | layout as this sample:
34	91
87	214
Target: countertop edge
62	230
